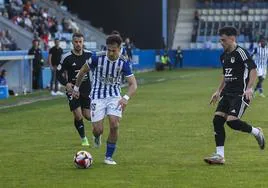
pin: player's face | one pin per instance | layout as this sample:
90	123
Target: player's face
57	43
78	43
113	51
227	42
263	43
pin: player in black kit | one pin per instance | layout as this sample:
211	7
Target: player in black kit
234	93
70	64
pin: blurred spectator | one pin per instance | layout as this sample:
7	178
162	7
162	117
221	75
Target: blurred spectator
54	58
244	9
196	16
3	80
179	57
128	48
165	60
38	62
7	42
208	44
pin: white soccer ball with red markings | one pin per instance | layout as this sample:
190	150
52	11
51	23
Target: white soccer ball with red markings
83	159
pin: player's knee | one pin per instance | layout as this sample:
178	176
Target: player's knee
97	130
234	124
218	122
114	128
88	118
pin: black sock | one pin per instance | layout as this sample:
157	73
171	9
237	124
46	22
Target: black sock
79	125
219	130
240	125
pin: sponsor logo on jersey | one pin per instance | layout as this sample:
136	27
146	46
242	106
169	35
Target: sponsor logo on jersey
232	59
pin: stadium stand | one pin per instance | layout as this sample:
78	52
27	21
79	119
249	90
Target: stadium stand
45	20
249	17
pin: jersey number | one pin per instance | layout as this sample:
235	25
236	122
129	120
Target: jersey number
228	72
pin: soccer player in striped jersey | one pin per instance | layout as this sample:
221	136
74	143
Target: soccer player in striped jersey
260	56
71	63
106	91
234	93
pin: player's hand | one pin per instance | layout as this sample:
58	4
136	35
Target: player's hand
248	93
75	94
69	88
122	103
214	98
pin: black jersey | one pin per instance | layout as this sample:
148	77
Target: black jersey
71	64
236	68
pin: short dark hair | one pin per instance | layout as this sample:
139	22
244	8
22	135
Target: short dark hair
228	30
78	35
114	39
115	32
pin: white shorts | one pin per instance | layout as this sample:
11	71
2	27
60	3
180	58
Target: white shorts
262	72
102	107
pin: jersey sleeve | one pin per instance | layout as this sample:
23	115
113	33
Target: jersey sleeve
60	69
93	61
249	62
246	59
126	69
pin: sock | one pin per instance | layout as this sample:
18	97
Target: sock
255	131
110	149
220	150
219	130
79	125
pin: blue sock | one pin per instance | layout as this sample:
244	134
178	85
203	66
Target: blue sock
110	149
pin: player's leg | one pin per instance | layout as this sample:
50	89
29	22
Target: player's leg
219	131
261	79
79	125
98	112
85	106
237	109
114	113
75	108
112	139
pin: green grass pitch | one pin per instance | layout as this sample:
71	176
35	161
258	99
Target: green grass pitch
165	133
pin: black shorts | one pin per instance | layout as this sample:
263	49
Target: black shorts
233	105
82	101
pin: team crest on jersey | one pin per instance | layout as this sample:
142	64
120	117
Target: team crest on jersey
59	67
232	59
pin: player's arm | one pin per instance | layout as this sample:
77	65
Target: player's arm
84	69
60	75
215	97
132	86
49	60
252	78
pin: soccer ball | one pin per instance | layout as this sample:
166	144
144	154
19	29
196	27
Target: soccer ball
83	159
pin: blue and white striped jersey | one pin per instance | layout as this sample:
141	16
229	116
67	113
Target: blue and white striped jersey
261	57
106	75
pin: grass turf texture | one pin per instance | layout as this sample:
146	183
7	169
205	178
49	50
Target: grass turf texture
165	133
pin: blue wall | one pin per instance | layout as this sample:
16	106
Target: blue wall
201	58
144	60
